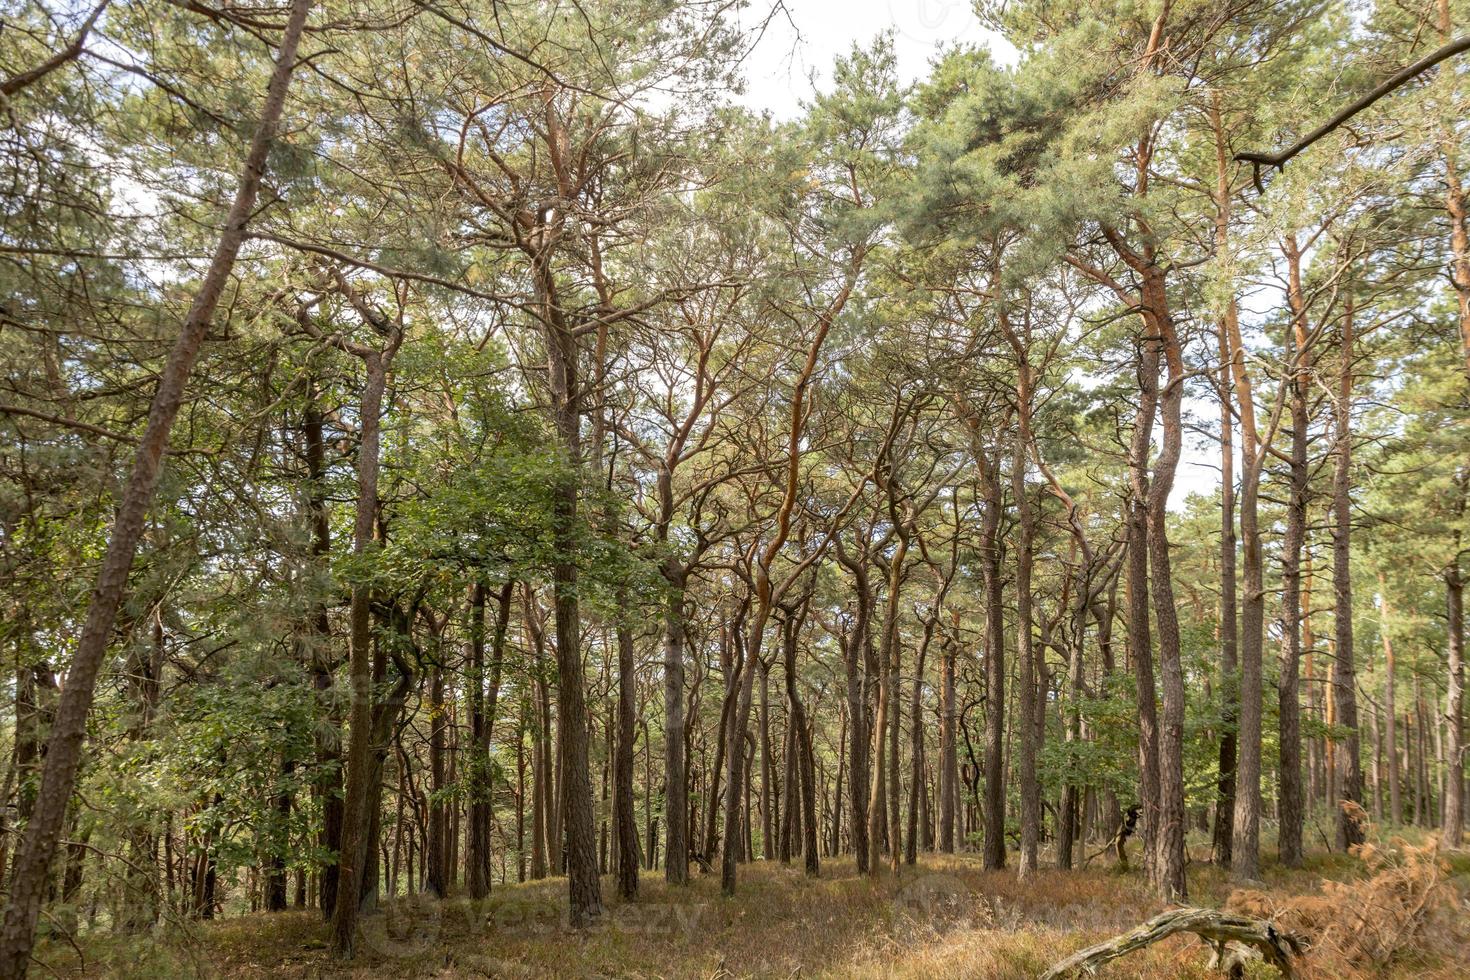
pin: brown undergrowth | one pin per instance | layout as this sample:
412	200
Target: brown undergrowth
944	918
1401	914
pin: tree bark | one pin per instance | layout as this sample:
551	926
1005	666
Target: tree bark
1229	685
1454	802
357	851
436	876
854	662
626	824
1390	707
805	759
1025	648
916	749
1345	762
676	799
1245	859
949	770
993	853
328	731
1288	697
30	874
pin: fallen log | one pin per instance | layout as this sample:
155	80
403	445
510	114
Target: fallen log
1219	928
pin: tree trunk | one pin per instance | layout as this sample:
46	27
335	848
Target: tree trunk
1229	624
356	849
1454	801
328	730
1348	770
802	742
676	799
993	854
854	661
916	749
1288	697
1390	707
30	875
436	844
949	773
1245	859
1025	649
626	824
744	684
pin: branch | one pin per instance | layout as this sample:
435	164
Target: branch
70	53
1278	160
1219	928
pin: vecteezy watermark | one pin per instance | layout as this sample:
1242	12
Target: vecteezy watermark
404	927
942	901
936	900
410	926
935	21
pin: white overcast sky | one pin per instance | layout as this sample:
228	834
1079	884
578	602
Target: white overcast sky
806	36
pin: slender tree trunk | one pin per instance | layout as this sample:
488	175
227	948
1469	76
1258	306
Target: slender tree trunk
478	872
1454	802
1025	649
734	840
30	874
328	731
1289	840
1229	685
894	792
357	850
805	758
949	773
857	706
1349	774
436	845
881	823
769	807
540	773
1390	707
916	750
1245	860
1140	649
1169	861
676	799
993	854
1455	205
626	821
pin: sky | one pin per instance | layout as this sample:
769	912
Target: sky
802	41
805	36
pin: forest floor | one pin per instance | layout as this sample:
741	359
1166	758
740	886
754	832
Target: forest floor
944	918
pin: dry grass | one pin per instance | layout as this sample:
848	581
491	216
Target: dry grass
945	918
